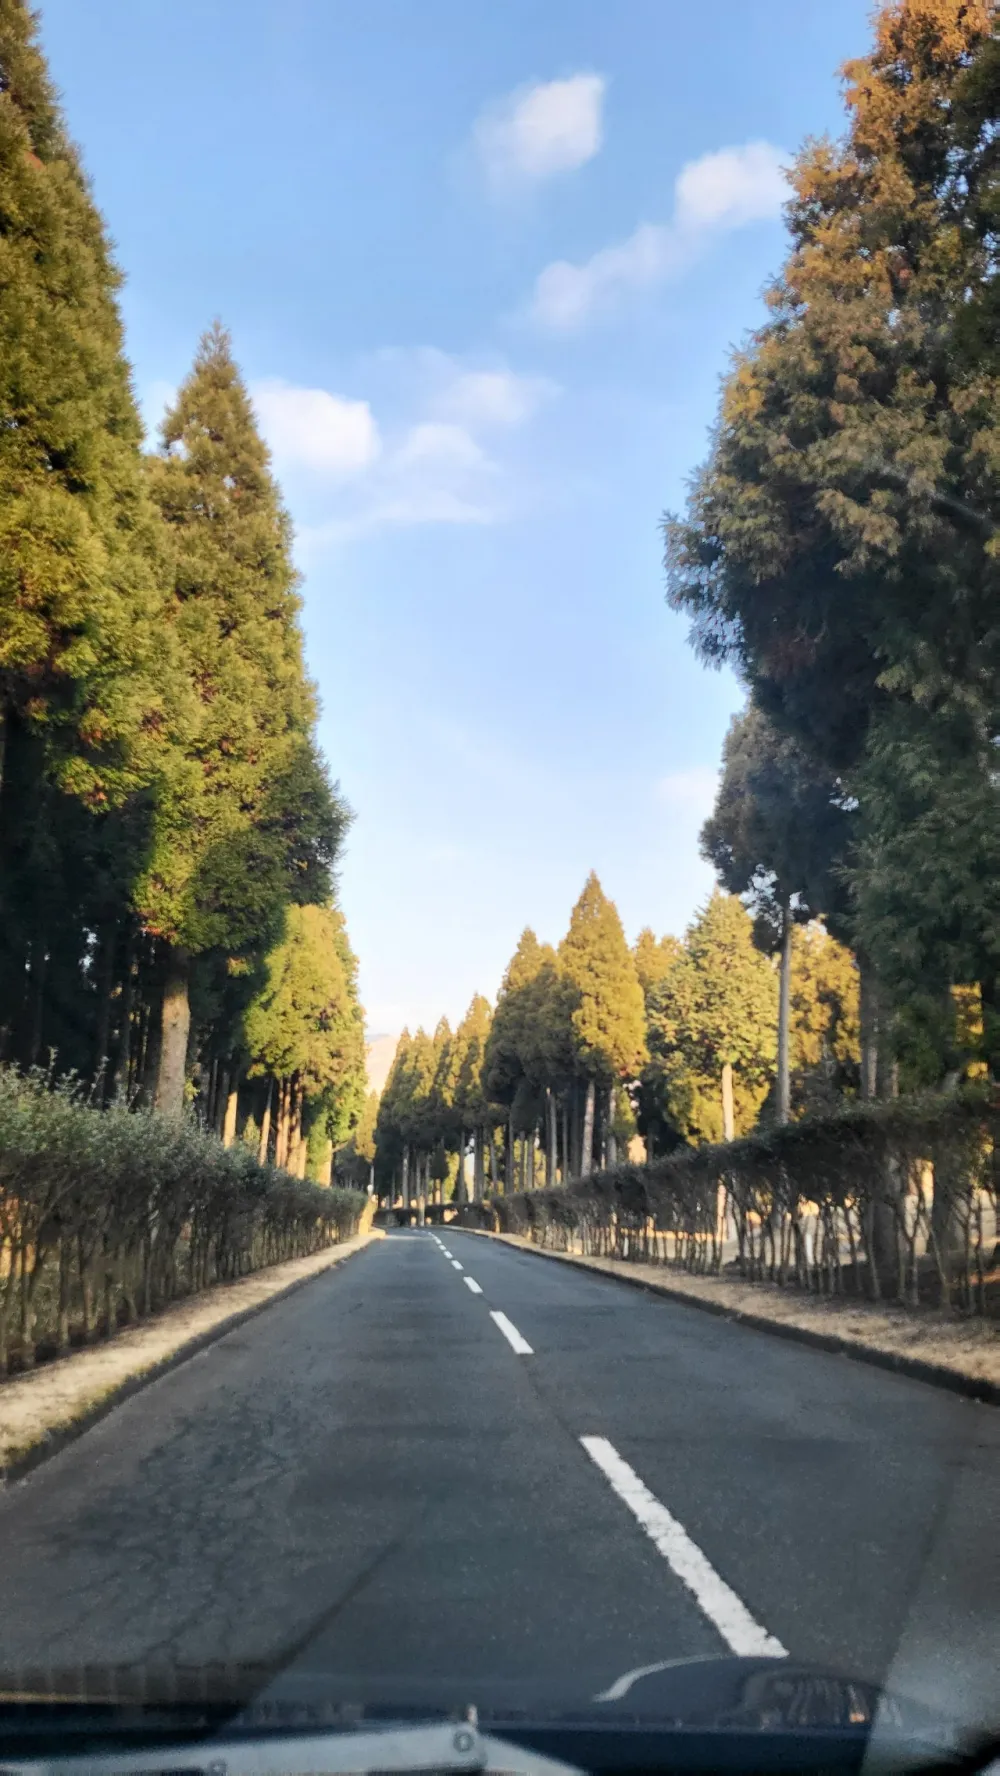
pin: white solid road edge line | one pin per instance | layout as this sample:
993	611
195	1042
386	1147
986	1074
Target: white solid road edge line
720	1604
511	1334
470	1283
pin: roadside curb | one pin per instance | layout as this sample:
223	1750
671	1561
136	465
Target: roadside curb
969	1387
61	1435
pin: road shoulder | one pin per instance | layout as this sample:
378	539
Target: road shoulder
43	1411
960	1355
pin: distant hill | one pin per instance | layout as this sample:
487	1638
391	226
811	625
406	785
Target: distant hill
378	1054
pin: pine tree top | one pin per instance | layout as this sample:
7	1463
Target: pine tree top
609	1016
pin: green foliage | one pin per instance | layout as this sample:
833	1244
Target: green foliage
608	1013
245	820
778	831
306	1022
842	545
471	1039
717	1005
825	1033
798	1205
81	661
131	1210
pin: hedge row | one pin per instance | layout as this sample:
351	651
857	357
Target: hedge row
891	1202
109	1215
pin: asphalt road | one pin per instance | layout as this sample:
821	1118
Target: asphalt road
374	1484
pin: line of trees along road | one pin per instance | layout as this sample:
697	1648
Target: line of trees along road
168	829
841	549
593	1043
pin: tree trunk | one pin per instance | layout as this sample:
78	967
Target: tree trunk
460	1190
611	1141
989	998
530	1165
587	1143
175	1025
784	1018
284	1123
36	1016
406	1177
494	1171
566	1161
265	1127
296	1144
868	1017
123	1058
232	1109
220	1103
325	1173
477	1163
104	981
728	1123
550	1139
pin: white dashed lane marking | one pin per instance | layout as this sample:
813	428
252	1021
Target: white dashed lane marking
726	1612
511	1333
470	1283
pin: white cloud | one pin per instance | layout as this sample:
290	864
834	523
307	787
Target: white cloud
313	429
730	188
718	192
541	130
491	398
414	453
567	295
435	443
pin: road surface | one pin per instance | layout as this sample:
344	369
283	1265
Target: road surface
451	1466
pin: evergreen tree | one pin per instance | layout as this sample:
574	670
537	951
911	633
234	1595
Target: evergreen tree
244	813
655	960
824	1021
471	1103
417	1110
357	1164
608	1016
390	1146
833	545
776	837
85	663
78	582
842	543
713	1027
306	1030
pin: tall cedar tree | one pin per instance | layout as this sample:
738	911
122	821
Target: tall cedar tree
245	819
713	1024
843	543
306	1028
825	1030
776	837
471	1103
390	1146
657	1122
84	663
609	1014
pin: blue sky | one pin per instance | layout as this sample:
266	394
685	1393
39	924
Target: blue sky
483	262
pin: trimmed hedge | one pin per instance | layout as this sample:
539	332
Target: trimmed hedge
887	1201
109	1215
